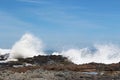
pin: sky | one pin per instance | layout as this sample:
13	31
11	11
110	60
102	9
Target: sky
60	23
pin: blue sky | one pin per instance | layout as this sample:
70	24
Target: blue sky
60	23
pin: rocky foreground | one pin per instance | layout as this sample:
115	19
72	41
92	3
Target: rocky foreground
53	67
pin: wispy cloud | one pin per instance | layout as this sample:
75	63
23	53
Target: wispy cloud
71	7
100	14
35	1
11	29
64	15
64	18
12	25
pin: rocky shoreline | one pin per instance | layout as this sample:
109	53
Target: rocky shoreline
41	74
53	67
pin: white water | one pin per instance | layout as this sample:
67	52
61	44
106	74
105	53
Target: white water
29	46
102	54
4	51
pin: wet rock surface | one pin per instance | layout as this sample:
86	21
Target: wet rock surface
53	67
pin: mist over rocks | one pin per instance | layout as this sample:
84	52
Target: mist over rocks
56	67
30	46
4	56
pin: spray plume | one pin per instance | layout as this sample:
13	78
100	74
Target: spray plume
100	54
29	46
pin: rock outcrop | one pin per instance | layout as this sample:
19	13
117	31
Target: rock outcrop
52	67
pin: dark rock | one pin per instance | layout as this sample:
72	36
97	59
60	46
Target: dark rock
43	60
4	57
